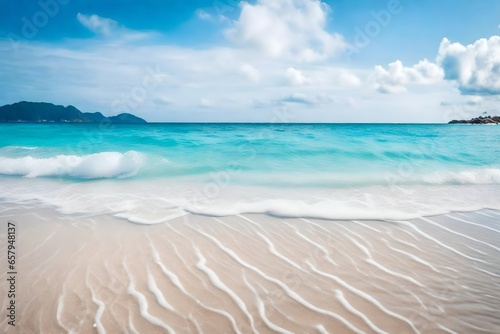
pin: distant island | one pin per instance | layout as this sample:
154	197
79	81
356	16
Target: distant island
41	112
478	120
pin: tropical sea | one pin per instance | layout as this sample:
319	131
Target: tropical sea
242	228
336	171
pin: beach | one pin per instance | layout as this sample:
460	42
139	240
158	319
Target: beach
249	228
254	273
263	166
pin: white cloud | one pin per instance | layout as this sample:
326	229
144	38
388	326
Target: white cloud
474	100
293	29
206	84
250	72
295	77
469	106
475	67
209	17
397	77
206	103
311	99
348	79
326	75
202	85
203	15
163	100
296	98
98	25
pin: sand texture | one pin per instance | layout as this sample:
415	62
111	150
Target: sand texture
253	273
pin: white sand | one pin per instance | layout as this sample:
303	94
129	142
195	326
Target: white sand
253	273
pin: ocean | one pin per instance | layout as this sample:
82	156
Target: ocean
250	228
150	173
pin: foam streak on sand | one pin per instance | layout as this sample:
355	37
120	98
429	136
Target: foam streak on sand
143	304
364	295
60	306
157	293
326	253
460	234
220	285
98	314
340	296
273	251
255	273
439	242
411	256
471	223
262	309
175	280
288	291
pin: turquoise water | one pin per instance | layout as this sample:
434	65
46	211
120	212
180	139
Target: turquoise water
233	165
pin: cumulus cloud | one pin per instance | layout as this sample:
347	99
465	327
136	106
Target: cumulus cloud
397	77
215	83
295	77
203	15
475	67
250	72
98	25
286	28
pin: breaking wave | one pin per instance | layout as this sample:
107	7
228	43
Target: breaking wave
93	166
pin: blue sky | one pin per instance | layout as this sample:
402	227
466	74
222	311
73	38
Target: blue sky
225	60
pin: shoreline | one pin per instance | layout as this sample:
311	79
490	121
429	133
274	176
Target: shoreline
254	272
157	200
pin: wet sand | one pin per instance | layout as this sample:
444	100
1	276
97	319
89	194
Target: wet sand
253	273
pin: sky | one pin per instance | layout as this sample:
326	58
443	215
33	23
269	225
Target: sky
346	61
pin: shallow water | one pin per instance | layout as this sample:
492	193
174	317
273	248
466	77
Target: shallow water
240	233
152	172
255	273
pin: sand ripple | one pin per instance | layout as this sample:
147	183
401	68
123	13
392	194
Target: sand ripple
255	274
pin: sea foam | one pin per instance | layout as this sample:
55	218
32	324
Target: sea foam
99	165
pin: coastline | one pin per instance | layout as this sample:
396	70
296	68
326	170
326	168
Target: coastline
254	272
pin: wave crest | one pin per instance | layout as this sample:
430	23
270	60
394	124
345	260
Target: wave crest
478	176
93	166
